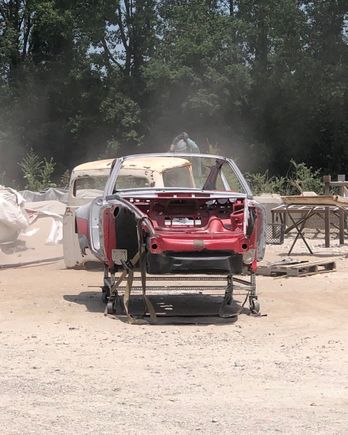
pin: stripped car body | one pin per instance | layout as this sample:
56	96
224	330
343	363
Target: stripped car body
87	181
175	213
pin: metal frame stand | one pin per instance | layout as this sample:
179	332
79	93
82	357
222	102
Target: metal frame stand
300	229
117	304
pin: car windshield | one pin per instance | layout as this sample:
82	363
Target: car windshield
89	186
179	171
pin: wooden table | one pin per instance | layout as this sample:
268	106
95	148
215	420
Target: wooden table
299	209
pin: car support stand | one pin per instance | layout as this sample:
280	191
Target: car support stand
111	285
254	304
228	298
120	305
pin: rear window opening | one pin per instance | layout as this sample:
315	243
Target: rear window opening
88	186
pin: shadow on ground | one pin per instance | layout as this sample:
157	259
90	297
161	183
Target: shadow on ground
170	309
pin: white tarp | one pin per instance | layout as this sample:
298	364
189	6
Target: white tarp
54	207
16	216
13	217
51	194
56	233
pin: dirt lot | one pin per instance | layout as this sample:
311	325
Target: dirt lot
65	368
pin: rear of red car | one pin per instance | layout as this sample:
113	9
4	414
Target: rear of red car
190	233
196	215
185	228
175	214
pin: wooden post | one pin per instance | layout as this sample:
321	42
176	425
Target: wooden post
341	214
327	181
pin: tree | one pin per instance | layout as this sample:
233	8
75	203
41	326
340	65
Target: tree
197	79
265	82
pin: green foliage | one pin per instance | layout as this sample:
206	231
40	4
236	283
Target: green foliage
304	178
37	172
263	183
123	115
300	178
266	80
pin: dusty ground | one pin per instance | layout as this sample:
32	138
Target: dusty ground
65	368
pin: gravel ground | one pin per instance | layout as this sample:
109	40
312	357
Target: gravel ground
66	368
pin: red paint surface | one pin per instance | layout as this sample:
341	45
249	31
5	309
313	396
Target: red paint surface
212	226
194	242
109	231
82	227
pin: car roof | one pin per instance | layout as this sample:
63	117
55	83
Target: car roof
154	163
97	164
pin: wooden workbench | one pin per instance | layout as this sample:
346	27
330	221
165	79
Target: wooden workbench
300	209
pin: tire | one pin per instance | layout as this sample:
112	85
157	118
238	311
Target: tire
110	307
254	306
119	306
105	294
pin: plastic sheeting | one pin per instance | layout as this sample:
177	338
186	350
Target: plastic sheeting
13	217
16	215
55	207
56	233
50	209
60	195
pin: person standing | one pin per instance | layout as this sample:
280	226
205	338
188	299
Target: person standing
183	144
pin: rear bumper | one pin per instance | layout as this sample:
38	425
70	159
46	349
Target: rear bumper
194	262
